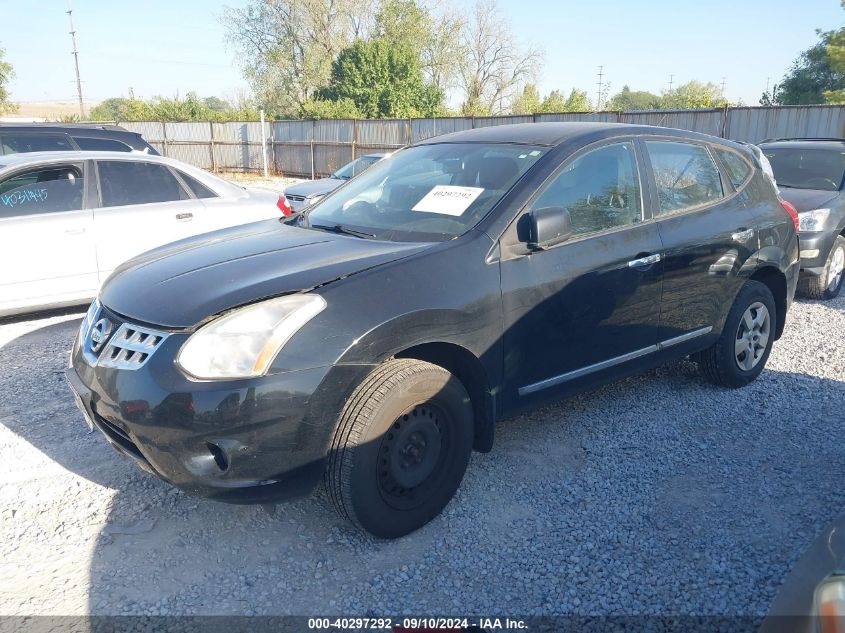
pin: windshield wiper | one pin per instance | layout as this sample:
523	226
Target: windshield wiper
345	230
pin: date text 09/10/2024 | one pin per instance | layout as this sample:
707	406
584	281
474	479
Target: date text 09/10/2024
409	625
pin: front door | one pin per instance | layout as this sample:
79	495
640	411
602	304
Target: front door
592	302
143	206
46	238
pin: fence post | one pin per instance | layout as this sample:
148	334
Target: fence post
354	136
725	114
211	147
408	131
472	121
313	127
263	144
164	134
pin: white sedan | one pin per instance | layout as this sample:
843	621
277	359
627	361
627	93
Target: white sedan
67	219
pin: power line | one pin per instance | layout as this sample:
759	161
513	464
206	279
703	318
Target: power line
75	54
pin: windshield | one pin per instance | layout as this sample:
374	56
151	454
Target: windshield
425	193
821	169
355	167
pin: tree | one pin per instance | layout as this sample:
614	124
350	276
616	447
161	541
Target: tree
528	102
629	99
492	65
433	34
693	95
191	108
288	46
577	101
817	76
382	81
6	74
322	109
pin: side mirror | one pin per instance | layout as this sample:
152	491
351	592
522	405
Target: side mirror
548	226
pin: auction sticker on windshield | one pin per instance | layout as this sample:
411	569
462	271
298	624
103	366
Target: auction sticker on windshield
448	199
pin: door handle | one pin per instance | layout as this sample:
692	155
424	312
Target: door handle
75	231
742	235
184	217
644	262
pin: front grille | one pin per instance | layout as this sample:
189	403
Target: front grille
131	347
108	341
295	198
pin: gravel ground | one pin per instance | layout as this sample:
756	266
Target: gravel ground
657	495
276	183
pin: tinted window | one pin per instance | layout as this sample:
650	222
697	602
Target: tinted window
198	189
737	168
42	190
129	182
355	167
101	144
394	200
600	189
19	143
807	168
685	174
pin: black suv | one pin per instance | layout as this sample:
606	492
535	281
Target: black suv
810	173
18	138
371	342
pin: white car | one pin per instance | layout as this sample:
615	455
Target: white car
67	219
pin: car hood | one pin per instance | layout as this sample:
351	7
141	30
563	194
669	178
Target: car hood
314	187
807	199
181	284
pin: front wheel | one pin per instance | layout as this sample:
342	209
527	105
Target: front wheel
401	447
829	284
741	352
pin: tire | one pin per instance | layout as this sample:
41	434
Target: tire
401	447
829	284
725	363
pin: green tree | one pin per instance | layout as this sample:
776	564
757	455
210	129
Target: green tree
382	81
693	95
323	109
817	76
121	109
528	102
628	99
6	74
577	101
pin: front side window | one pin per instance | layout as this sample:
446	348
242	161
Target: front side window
42	190
101	144
795	168
355	167
19	143
685	174
396	199
600	189
124	182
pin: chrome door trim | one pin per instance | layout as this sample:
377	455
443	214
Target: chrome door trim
644	261
683	338
589	369
611	362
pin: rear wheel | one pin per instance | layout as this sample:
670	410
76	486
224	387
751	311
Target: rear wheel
741	352
401	447
829	284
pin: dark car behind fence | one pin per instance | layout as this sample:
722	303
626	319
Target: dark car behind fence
318	148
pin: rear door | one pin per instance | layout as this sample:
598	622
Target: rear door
708	232
142	205
46	236
591	303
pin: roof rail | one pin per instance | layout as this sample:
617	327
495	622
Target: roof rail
803	138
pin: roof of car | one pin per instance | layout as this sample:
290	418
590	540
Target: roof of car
552	134
63	126
804	143
75	155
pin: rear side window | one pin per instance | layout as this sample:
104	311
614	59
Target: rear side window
101	144
127	182
42	190
685	174
737	168
21	143
601	190
198	189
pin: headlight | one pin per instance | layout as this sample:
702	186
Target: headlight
244	342
812	220
315	199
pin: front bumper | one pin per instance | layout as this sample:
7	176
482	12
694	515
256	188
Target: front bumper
815	249
246	441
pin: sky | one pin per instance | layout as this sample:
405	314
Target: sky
165	47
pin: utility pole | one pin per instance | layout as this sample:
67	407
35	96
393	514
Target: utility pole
598	100
75	54
768	79
671	82
723	86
